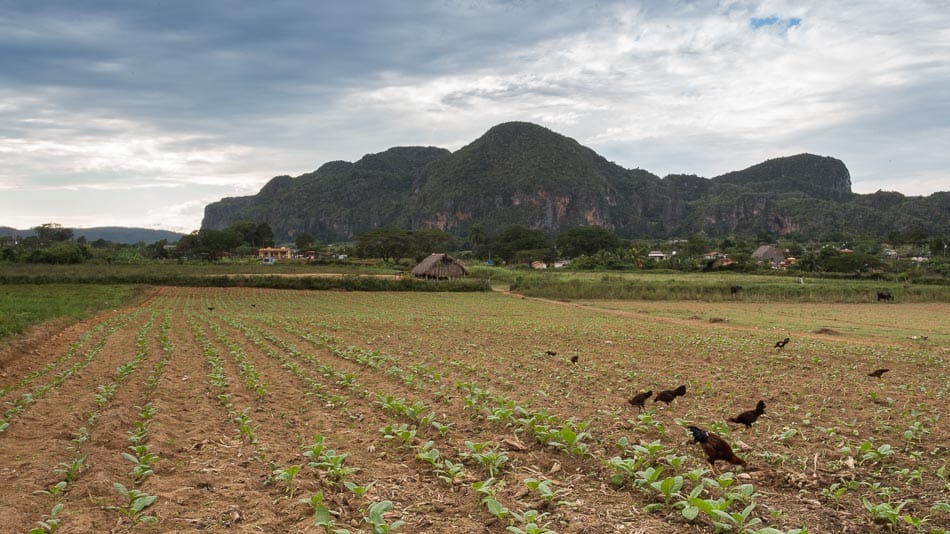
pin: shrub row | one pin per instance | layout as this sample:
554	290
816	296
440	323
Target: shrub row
615	288
346	283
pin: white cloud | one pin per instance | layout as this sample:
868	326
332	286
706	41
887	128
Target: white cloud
199	112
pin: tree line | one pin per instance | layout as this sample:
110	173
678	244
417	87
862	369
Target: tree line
587	247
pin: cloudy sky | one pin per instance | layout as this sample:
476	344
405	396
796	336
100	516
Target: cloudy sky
140	113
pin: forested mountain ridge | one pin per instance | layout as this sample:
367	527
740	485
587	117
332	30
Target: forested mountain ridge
114	234
522	173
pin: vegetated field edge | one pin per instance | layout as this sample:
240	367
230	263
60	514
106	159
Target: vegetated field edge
22	306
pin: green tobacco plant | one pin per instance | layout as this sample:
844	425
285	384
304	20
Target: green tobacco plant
356	489
244	425
135	504
486	488
375	518
530	523
70	470
53	490
885	512
544	490
143	460
322	515
287	474
487	455
334	465
50	522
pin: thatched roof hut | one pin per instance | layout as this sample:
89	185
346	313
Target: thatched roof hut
770	253
439	266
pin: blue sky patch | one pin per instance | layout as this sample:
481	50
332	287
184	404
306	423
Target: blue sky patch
774	21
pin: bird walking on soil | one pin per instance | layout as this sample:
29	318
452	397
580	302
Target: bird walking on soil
668	395
749	417
715	448
639	399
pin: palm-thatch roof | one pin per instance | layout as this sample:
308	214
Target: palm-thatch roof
439	266
770	253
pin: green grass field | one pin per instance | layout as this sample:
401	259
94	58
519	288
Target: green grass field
22	306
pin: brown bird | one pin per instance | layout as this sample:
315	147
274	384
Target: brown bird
574	358
878	373
550	353
781	344
715	448
210	308
639	399
749	417
668	395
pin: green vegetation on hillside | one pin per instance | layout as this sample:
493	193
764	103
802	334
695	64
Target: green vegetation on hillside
523	174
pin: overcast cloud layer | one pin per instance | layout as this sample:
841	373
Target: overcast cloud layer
141	113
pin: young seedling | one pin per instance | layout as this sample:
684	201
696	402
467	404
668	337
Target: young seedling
135	504
491	459
315	450
356	489
70	470
287	474
669	487
450	472
333	464
885	512
442	428
490	499
50	522
323	516
530	523
544	490
429	454
376	512
53	490
143	460
244	425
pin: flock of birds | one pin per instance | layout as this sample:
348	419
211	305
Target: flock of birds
713	445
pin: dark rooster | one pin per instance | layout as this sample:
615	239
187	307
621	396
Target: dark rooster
781	344
878	373
668	395
715	448
639	399
574	358
749	417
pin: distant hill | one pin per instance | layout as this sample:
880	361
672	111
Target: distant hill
115	234
522	173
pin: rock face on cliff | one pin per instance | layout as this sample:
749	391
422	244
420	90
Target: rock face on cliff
522	173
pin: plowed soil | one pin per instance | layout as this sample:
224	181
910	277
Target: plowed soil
304	364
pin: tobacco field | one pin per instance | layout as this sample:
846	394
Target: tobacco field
257	410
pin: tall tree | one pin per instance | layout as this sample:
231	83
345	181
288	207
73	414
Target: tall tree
265	235
305	241
586	240
523	242
431	240
388	244
53	233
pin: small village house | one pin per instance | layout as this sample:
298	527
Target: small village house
272	253
440	267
